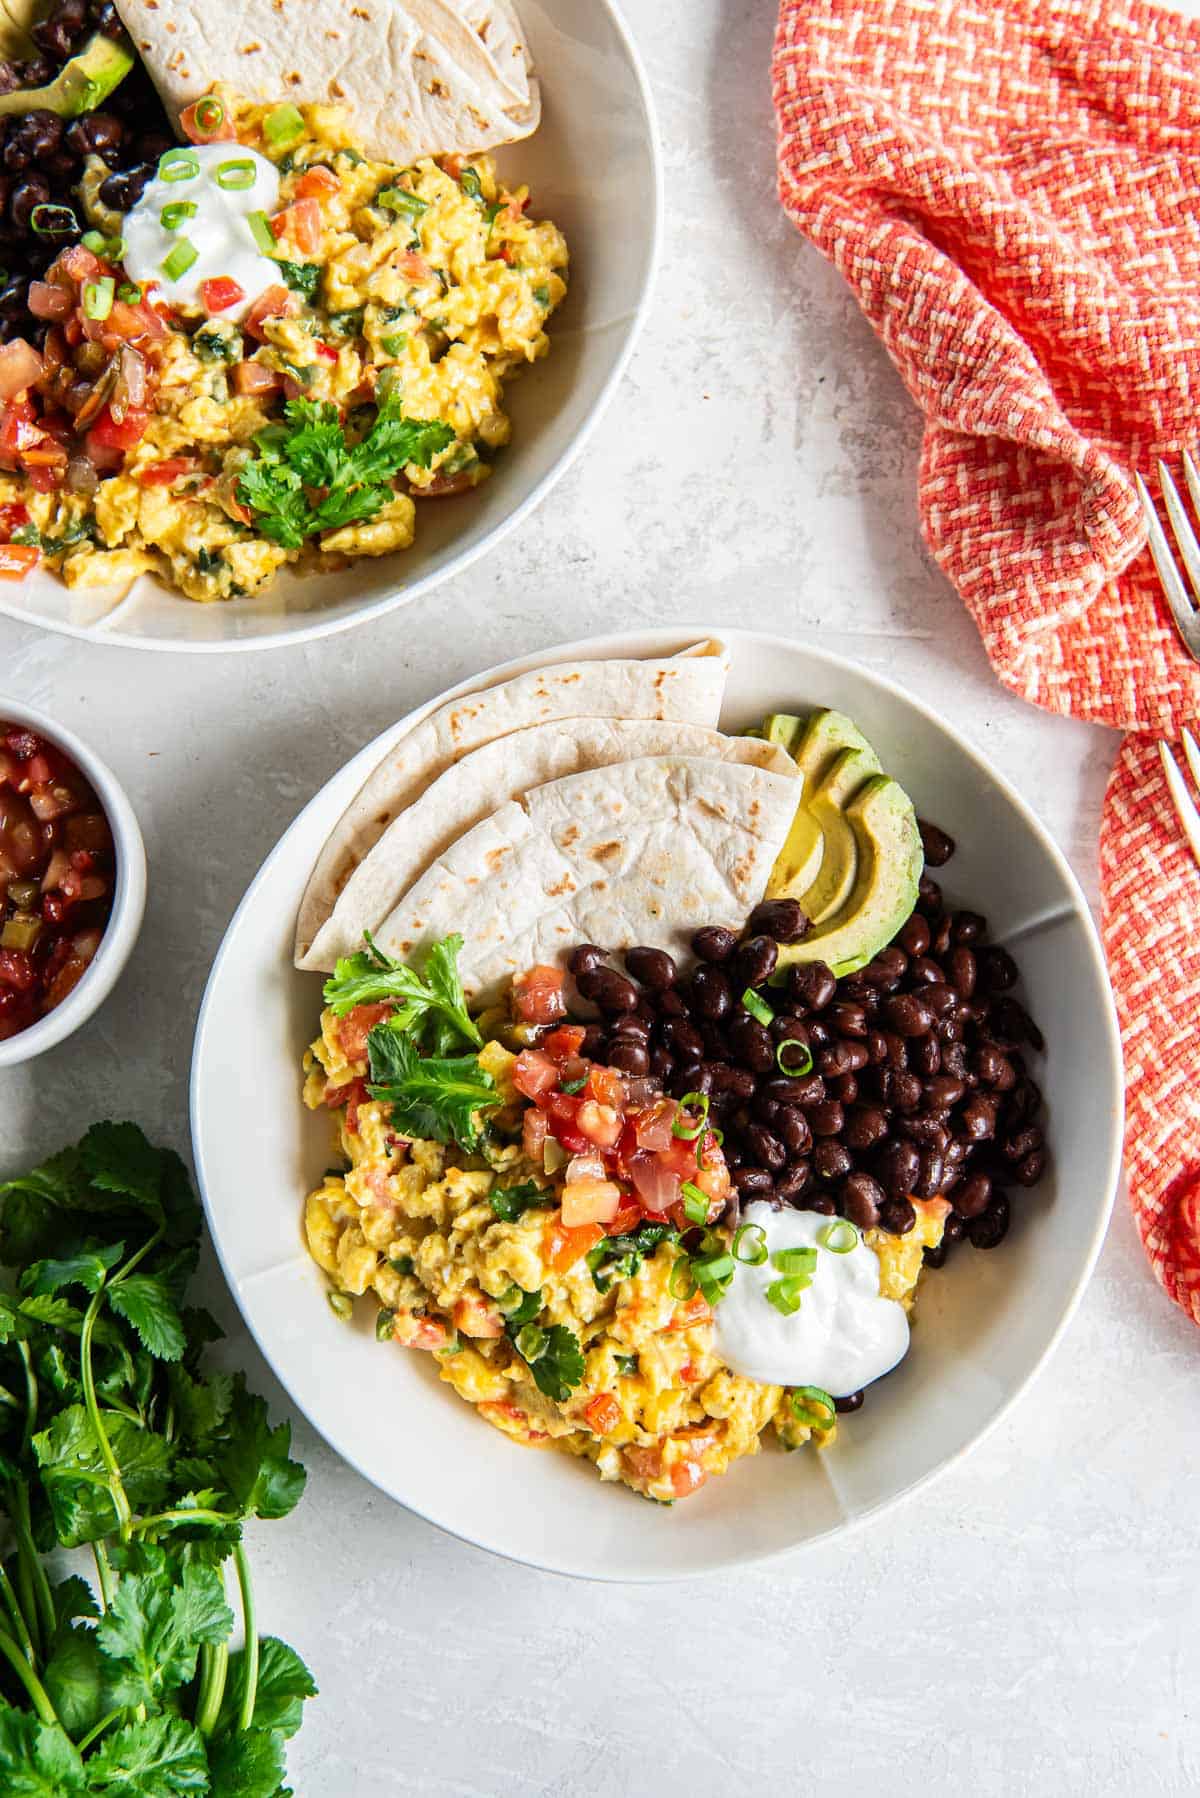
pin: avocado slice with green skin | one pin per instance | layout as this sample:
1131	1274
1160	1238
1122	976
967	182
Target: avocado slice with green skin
80	85
827	894
814	743
884	891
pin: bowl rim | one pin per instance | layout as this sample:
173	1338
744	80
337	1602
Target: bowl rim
129	897
462	559
649	642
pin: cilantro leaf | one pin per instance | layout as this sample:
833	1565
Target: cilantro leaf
284	1682
254	1459
87	1269
152	1631
559	1367
302	277
76	1680
433	1097
511	1202
119	1159
36	1761
144	1301
370	976
247	1765
276	494
620	1257
201	1405
162	1757
75	1478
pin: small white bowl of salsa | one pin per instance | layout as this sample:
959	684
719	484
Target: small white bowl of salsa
72	881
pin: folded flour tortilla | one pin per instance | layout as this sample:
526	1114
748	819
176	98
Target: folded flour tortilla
484	780
685	689
641	852
417	77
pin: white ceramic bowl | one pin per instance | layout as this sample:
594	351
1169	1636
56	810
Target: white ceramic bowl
129	899
593	167
986	1322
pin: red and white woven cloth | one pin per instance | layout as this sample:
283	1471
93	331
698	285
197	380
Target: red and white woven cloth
1012	189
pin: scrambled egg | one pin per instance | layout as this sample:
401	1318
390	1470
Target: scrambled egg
410	1223
441	307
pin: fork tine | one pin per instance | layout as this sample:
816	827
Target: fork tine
1192	753
1177	595
1191	475
1189	817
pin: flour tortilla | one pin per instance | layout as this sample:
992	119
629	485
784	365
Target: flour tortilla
416	77
642	852
466	793
685	689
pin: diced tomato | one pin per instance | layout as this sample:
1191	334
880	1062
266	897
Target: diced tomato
563	1247
507	253
473	1317
495	1408
514	207
133	324
253	377
562	1110
273	302
301	222
12	517
561	1044
223	131
453	165
352	1094
606	1086
627	1218
16	969
428	1333
316	181
697	1310
353	1029
687	1476
602	1414
538	995
325	352
601	1124
445	486
16	560
161	474
534	1074
688	1374
110	434
653	1129
414	267
534	1130
220	294
19	431
589	1201
644	1461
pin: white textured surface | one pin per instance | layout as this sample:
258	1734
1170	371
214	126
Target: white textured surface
1028	1627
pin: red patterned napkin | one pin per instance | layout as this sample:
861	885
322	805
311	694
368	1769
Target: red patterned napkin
1013	191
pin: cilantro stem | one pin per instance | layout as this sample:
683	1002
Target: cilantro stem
31	1398
214	1666
250	1658
145	1524
13	1607
116	1485
30	1572
104	1573
96	1730
29	1679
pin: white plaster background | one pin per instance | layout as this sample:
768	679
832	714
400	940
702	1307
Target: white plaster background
1030	1625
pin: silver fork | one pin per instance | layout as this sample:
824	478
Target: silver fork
1182	603
1181	799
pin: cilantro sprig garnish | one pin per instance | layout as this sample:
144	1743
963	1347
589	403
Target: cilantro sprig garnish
115	1436
432	1006
308	477
552	1353
431	1096
620	1257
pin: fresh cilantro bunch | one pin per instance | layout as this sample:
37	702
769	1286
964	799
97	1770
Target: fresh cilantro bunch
114	1436
308	478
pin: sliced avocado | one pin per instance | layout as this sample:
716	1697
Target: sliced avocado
839	848
889	859
16	18
80	85
814	743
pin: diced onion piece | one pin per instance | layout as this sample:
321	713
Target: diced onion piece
599	1123
48	300
586	1167
20	366
654	1129
656	1184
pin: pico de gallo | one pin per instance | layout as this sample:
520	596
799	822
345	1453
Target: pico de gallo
57	876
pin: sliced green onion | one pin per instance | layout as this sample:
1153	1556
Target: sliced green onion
384	1325
130	292
52	221
172	216
531	1342
283	126
181	259
785	1294
838	1237
695	1203
573	1086
758	1008
396	344
542	295
682	1283
812	1406
98	297
685	1131
178	165
111	248
341	1304
236	175
751	1238
453	1347
715	1269
510	1299
401	1264
260	231
803	1063
627	1365
398	199
794	1261
209	115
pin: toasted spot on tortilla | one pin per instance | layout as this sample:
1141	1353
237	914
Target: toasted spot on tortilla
337	90
359	12
570	836
604	852
495	858
294	77
248	49
740	872
438	89
565	885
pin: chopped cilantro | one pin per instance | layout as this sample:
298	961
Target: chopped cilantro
27	533
553	1355
620	1257
302	277
395	343
470	183
347	324
542	295
218	342
511	1202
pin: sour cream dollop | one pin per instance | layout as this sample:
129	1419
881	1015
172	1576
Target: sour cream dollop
844	1334
218	230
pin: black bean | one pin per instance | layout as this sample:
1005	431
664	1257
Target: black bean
683	1039
954	1060
803	1089
935	1256
840	1058
32	193
897	1168
766	1148
929	898
1030	1169
713	943
925	971
992	1227
943	1091
968	927
972	1195
754	962
795	1130
629	1024
925	1056
845	1088
710	992
866	1125
595	1042
782	919
853	1401
827	1118
932	1174
56	34
937	844
765	1108
877	1046
963	970
652	967
94	133
900	1089
914	937
954	1228
107	19
812	984
997	969
861	1198
1016	1144
847	1018
585	957
897	1216
751	1043
670	1004
1023	1102
794	1182
740	1082
977	1119
630	1057
818	1033
831	1161
611	991
752	1182
927	1130
908	1015
123	190
689	1077
994	1069
787	1028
